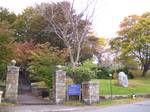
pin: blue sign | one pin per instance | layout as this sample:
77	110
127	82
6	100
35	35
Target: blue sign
74	89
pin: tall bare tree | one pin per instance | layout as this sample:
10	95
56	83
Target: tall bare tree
71	27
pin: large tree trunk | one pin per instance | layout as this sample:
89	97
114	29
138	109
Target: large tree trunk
145	69
74	77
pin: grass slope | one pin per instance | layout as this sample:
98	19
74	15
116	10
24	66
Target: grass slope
136	86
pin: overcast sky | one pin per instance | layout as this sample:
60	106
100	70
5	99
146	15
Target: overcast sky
108	15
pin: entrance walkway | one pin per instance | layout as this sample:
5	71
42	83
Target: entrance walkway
40	108
28	99
133	107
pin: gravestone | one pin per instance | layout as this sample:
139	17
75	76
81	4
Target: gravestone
90	92
123	79
59	87
11	92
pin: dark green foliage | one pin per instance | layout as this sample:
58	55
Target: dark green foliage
5	40
103	72
126	71
2	71
5	15
5	47
31	25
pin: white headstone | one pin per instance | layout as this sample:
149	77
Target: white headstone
123	79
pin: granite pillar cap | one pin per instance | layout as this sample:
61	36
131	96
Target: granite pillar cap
13	62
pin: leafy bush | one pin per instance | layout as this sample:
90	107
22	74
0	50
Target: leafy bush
42	63
103	72
81	73
42	73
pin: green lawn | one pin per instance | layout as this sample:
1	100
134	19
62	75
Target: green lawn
136	86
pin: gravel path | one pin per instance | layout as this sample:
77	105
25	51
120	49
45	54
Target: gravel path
31	100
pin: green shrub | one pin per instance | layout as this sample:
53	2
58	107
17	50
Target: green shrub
42	73
43	63
84	72
103	72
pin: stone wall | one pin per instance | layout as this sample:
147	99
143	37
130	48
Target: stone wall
59	87
90	92
11	92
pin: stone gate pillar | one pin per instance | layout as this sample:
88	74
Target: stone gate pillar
59	87
90	92
11	92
